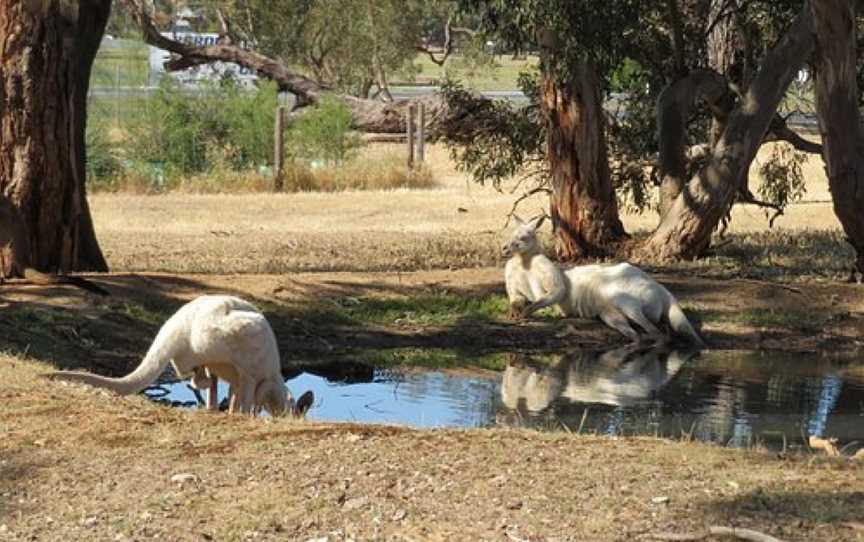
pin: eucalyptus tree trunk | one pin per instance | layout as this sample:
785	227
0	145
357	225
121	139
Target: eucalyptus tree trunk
839	117
583	205
674	106
47	51
685	230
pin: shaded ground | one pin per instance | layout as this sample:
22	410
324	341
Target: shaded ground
350	315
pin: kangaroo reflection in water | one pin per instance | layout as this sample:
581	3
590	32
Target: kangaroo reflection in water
619	378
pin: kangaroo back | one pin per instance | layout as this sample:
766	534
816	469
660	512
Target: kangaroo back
681	325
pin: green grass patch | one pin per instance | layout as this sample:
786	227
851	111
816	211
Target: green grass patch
500	72
765	317
442	358
777	318
439	309
143	314
775	255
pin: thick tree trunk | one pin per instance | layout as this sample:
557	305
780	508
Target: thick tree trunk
839	118
673	114
92	21
685	230
47	50
583	204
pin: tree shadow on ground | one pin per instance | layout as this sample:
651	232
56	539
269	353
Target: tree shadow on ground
775	254
72	329
318	322
323	318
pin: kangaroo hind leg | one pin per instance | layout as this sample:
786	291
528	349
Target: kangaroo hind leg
635	314
613	318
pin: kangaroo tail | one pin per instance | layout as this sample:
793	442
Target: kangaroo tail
681	325
158	357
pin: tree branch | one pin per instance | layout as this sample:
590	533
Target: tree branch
780	131
677	36
745	196
728	9
523	197
306	90
226	35
447	48
673	112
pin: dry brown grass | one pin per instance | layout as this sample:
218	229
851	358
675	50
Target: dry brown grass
455	224
81	465
377	168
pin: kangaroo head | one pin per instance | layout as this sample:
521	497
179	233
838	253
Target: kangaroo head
278	401
524	238
274	397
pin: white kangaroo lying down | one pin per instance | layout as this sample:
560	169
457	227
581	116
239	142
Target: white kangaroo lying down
225	335
618	294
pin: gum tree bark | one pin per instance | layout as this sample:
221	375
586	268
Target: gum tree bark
673	113
685	230
839	117
583	204
47	50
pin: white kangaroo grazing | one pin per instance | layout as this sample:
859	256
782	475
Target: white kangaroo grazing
225	335
618	294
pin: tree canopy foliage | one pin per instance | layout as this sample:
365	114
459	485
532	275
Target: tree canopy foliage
638	49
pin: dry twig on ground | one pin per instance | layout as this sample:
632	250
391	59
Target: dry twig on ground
734	532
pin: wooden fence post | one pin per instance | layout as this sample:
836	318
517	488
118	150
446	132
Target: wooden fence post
421	134
409	130
279	150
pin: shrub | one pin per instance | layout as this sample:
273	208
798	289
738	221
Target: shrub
102	164
323	134
179	130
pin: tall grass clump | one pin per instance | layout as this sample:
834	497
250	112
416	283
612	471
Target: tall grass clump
386	172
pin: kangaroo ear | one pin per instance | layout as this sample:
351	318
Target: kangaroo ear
518	220
539	221
304	403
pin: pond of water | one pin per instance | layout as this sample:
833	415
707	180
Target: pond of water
730	398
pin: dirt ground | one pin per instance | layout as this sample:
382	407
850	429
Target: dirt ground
340	275
80	465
